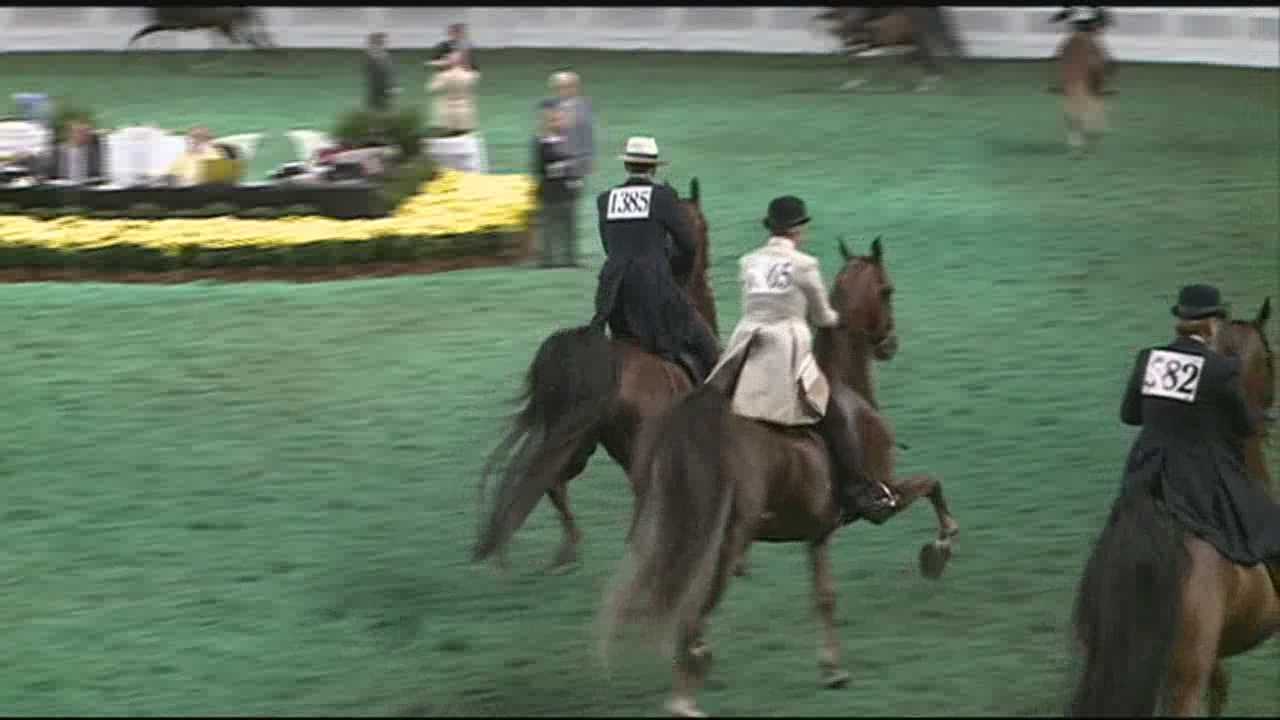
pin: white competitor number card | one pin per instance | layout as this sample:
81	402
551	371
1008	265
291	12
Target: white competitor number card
629	203
1172	375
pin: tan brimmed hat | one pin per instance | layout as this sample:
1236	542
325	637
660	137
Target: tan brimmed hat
642	150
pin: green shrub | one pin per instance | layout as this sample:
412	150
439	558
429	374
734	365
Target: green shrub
401	128
66	111
404	180
10	209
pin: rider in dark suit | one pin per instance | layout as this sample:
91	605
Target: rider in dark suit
637	292
1188	400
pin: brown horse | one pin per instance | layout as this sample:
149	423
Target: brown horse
923	34
1158	609
237	24
1082	67
584	390
710	483
1247	340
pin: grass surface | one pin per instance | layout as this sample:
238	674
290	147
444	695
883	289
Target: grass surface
258	499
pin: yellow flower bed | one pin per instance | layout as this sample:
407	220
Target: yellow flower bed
454	203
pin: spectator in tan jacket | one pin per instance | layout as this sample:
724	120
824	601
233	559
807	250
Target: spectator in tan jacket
454	107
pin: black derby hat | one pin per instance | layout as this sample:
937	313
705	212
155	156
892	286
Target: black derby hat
785	213
1196	302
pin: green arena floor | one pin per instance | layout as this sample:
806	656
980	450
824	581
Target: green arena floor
257	499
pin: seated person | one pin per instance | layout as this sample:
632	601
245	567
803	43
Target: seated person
186	170
79	158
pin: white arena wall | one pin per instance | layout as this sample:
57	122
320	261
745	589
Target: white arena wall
1241	36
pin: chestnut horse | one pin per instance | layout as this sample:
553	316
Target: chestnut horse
924	34
710	483
584	390
1082	68
1158	609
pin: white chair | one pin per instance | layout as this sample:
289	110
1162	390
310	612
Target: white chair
461	152
246	143
21	136
307	142
135	154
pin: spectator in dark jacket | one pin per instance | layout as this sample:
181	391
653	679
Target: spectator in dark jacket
558	188
80	158
379	73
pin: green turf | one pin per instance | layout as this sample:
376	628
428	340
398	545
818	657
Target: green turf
258	498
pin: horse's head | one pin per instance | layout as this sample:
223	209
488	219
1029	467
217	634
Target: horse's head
863	296
1247	340
696	283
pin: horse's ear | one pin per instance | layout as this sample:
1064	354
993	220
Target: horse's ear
1264	312
877	252
695	191
844	251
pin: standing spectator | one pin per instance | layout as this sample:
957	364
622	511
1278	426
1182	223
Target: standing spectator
568	87
379	73
79	158
456	42
454	108
557	192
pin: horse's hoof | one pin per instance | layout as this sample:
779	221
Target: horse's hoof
853	84
933	559
684	707
835	678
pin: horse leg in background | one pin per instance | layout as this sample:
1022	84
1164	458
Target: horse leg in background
1219	686
1095	121
566	557
833	675
1075	105
928	59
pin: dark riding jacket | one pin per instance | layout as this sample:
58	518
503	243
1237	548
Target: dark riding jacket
1188	400
648	240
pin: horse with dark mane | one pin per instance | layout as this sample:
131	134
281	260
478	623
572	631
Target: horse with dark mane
923	34
582	391
1158	609
240	25
710	483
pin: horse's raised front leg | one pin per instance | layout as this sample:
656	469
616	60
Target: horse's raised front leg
934	555
831	670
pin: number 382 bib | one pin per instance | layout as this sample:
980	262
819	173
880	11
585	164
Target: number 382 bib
1172	375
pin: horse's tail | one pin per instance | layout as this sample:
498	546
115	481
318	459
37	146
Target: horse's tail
676	545
569	390
144	32
1128	606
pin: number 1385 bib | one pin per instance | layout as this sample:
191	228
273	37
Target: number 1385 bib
1172	375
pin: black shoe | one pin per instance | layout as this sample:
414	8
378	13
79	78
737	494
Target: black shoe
872	506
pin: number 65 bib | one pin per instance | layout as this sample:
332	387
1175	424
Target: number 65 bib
1172	375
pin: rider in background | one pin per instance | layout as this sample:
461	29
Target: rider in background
1188	400
779	380
637	293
